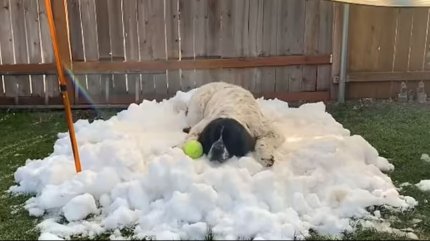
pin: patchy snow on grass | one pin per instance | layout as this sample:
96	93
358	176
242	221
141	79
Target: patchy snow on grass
423	185
425	157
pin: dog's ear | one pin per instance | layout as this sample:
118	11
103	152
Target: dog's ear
186	130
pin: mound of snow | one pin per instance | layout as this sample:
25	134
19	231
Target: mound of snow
425	157
134	176
423	185
80	207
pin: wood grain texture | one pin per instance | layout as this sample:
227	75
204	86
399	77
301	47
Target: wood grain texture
75	30
311	38
418	39
6	39
291	39
270	31
325	43
116	29
18	85
131	44
102	13
404	29
46	44
33	44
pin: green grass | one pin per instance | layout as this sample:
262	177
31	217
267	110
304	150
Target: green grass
23	135
400	132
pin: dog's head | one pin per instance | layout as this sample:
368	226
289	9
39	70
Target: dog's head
225	137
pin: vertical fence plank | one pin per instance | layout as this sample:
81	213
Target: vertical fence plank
89	29
213	38
241	40
172	38
117	82
200	13
33	43
311	43
187	28
418	39
404	28
200	22
116	29
172	22
144	31
364	54
45	37
186	8
131	46
50	82
18	27
158	38
324	43
145	46
6	33
270	29
91	82
130	30
227	46
103	26
158	35
152	41
20	48
75	30
336	46
32	27
6	43
387	19
154	47
104	46
290	41
255	43
426	56
213	28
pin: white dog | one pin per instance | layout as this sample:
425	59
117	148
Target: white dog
239	114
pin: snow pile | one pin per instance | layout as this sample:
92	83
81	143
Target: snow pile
135	177
425	157
423	185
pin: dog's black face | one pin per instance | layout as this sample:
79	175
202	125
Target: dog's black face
223	138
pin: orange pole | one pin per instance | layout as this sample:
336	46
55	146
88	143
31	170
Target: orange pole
63	84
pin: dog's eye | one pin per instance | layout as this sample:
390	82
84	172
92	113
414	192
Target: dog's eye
186	112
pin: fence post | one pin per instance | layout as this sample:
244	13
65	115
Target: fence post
344	53
336	49
60	12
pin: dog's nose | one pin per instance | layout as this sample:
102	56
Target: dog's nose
218	152
217	149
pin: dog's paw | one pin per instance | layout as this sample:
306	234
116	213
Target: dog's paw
267	162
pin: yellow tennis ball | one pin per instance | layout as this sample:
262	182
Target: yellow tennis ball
193	149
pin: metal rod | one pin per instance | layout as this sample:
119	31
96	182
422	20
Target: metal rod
63	84
344	54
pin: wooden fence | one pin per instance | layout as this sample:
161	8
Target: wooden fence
121	51
388	46
271	47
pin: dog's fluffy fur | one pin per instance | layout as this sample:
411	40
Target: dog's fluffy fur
222	100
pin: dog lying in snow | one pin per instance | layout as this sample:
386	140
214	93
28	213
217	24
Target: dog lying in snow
227	120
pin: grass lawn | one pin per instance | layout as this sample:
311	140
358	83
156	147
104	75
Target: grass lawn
400	132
